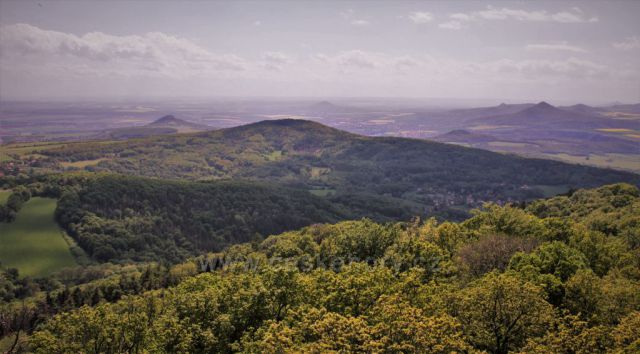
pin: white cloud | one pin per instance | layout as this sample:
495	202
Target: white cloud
275	60
452	25
360	23
348	15
406	65
572	68
421	17
561	46
37	59
460	17
574	15
257	23
357	59
628	43
153	53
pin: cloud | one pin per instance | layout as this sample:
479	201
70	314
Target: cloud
360	23
357	59
628	43
571	68
361	65
34	59
421	17
153	53
562	46
348	15
406	61
574	15
452	25
275	60
460	17
257	23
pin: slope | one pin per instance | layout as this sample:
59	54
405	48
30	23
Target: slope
435	177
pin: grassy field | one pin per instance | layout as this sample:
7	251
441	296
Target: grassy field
617	161
507	144
33	243
82	164
551	191
4	195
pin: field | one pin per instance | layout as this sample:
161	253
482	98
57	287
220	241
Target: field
4	195
618	161
507	144
33	243
551	191
83	163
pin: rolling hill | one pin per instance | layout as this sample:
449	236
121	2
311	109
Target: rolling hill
162	126
429	177
544	114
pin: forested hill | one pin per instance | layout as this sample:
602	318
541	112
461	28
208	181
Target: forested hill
121	218
437	178
542	280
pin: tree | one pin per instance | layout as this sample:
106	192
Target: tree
570	334
499	312
554	258
626	335
492	252
399	327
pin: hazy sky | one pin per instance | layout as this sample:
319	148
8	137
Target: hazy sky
523	50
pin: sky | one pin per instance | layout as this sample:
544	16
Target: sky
570	51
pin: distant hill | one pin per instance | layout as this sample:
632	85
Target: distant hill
544	114
480	112
325	107
584	109
379	176
181	125
463	136
162	126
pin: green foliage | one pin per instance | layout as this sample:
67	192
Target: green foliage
503	281
13	203
555	258
128	218
500	312
612	210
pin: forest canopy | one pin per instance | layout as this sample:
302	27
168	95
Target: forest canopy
537	280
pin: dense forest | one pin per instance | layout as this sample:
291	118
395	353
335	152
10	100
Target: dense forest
124	218
141	219
429	177
560	275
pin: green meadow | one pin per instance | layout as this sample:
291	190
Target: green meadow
33	243
4	195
